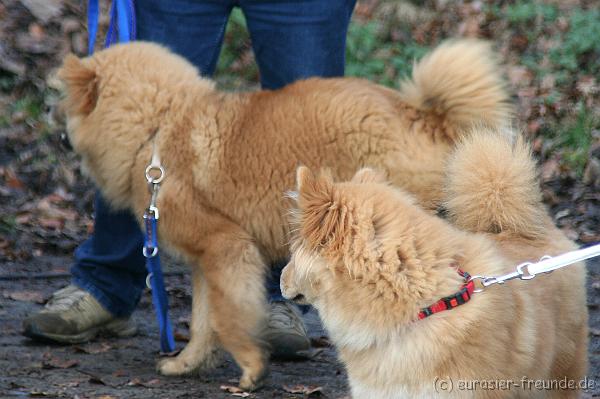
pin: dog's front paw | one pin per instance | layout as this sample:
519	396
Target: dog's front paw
174	366
251	381
189	362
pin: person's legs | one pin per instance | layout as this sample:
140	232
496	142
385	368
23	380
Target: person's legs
293	40
192	29
110	264
297	39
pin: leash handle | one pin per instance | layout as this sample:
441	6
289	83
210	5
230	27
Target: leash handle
122	21
547	264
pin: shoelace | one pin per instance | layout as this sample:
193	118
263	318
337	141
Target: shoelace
65	298
282	317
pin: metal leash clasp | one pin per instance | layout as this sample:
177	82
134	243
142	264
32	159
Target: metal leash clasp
155	174
546	264
522	273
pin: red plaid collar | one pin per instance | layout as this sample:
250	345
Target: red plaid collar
459	298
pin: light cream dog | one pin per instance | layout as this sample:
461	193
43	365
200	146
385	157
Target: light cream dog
370	259
230	156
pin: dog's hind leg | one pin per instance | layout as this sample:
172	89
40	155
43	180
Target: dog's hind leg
201	352
235	272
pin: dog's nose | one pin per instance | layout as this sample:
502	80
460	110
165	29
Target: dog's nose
299	300
64	142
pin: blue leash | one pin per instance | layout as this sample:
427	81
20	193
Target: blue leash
122	29
155	275
150	251
122	23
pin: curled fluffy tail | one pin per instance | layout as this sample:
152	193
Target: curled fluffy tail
492	186
460	82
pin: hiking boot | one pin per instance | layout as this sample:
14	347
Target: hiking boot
72	316
286	333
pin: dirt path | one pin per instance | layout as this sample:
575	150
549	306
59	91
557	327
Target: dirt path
124	368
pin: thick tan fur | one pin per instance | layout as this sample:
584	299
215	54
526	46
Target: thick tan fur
230	156
369	258
444	83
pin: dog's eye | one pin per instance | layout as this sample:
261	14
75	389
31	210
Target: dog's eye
64	142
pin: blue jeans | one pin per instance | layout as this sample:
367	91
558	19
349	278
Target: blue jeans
291	39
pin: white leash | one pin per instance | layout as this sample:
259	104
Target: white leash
547	264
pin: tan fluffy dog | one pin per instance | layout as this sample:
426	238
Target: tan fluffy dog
230	156
369	259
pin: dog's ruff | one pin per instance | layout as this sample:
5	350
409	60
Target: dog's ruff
230	156
368	258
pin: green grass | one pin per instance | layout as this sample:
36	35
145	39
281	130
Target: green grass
8	224
231	72
526	11
30	106
575	139
372	54
580	45
4	121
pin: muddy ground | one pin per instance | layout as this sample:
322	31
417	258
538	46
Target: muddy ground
124	368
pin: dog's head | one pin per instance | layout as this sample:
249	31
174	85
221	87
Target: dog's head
116	100
362	250
322	233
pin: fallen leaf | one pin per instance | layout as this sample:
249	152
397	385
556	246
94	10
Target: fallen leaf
12	180
93	348
57	363
235	391
136	382
25	296
53	224
304	389
36	31
550	169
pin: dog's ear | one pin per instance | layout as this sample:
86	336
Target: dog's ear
369	175
320	216
81	84
309	184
